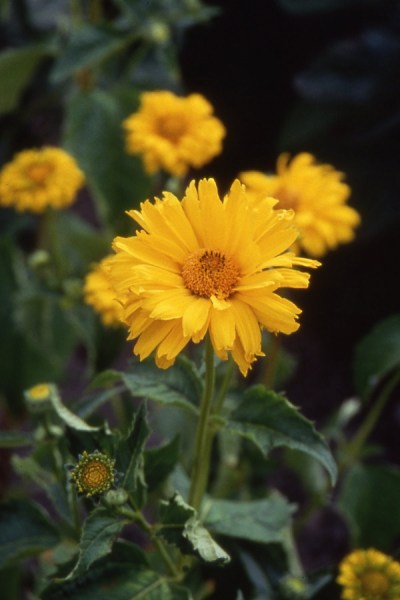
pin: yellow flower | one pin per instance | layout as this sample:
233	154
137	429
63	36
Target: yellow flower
37	179
207	265
174	133
318	196
99	294
94	474
369	575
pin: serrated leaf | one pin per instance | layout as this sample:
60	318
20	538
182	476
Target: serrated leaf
160	462
181	527
25	530
17	67
14	439
116	179
376	355
130	457
261	521
99	533
370	500
87	47
269	420
179	386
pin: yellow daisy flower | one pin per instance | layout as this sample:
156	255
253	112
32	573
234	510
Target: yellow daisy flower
318	196
207	265
99	294
369	575
37	179
94	474
174	133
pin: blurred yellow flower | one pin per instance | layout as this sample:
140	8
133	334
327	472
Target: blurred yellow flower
369	575
99	294
317	194
207	265
37	179
174	133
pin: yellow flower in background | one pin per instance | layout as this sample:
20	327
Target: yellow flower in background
94	474
369	575
99	294
206	265
174	133
37	179
317	194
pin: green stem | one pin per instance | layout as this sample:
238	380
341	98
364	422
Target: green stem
354	448
201	463
294	563
219	400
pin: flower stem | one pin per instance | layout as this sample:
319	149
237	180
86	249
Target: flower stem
201	463
354	448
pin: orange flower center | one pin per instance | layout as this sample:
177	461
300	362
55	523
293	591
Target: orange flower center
39	172
171	127
374	583
288	198
209	273
95	475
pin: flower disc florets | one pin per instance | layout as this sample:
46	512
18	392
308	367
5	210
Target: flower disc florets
94	474
206	265
369	575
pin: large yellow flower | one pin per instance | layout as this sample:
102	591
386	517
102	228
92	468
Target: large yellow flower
174	133
99	294
369	575
207	265
317	194
37	179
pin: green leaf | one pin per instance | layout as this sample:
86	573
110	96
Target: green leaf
93	134
261	521
160	462
181	527
179	386
376	355
17	67
370	500
269	420
130	457
67	416
99	533
317	6
14	439
86	47
119	582
25	530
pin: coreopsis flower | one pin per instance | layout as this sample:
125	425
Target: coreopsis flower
99	294
317	194
369	575
94	473
40	178
173	133
205	265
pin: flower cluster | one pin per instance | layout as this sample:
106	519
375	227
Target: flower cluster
317	194
369	575
174	133
37	179
205	265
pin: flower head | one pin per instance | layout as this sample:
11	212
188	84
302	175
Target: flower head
369	575
37	179
94	474
38	397
99	294
318	196
174	133
206	265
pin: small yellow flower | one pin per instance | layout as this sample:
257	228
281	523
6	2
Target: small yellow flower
94	474
174	133
37	179
317	194
369	575
38	397
99	294
205	265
